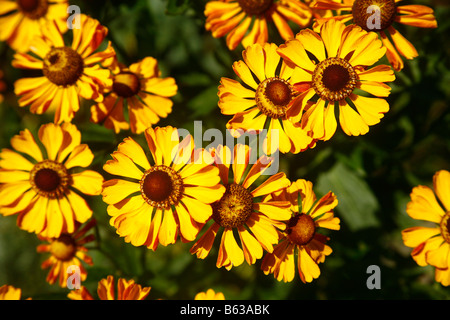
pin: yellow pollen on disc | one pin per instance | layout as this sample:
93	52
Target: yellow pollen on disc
334	79
63	248
234	208
50	179
161	187
126	84
63	66
301	229
445	227
273	96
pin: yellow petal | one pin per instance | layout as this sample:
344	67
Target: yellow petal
404	47
82	210
54	219
294	51
10	192
441	182
169	228
233	251
251	247
282	26
25	143
188	227
231	104
370	109
51	137
88	182
205	194
122	165
243	72
379	73
263	230
240	161
33	219
439	257
272	184
203	246
71	139
365	47
275	210
424	206
331	33
198	210
307	267
81	156
116	190
351	122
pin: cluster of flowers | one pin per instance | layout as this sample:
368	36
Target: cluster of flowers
169	189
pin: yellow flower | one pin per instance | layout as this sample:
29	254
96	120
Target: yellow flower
21	20
210	294
264	99
10	293
330	67
235	17
359	13
153	203
41	187
301	238
69	72
241	211
126	290
432	243
141	90
67	250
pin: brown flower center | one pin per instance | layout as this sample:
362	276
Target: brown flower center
255	7
63	66
334	79
273	96
374	15
234	208
126	84
161	187
445	227
63	248
33	9
50	179
301	229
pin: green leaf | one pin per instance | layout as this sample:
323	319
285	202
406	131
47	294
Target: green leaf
357	204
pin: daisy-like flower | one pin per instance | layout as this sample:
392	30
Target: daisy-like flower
10	293
68	72
155	201
329	68
21	20
42	185
234	18
301	238
67	250
264	99
363	13
141	91
210	294
242	211
126	290
431	243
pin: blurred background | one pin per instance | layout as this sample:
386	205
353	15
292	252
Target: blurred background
371	175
